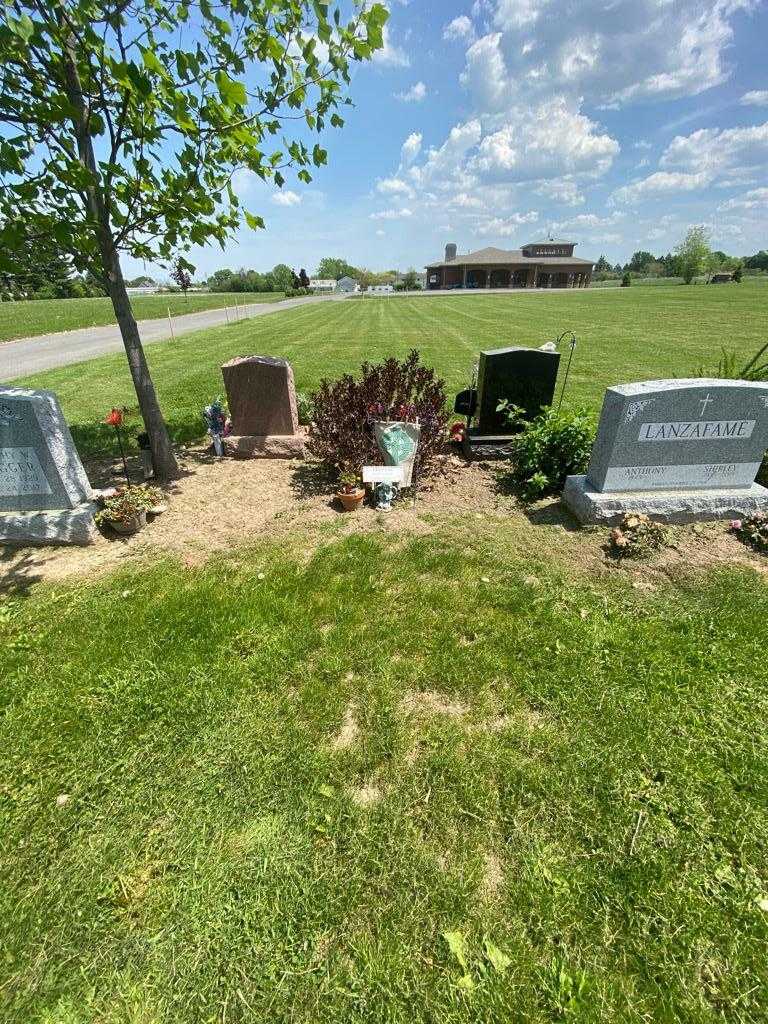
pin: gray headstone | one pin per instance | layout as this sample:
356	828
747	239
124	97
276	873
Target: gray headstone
678	449
702	434
40	470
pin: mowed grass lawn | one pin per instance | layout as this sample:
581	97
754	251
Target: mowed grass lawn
415	781
624	334
391	779
47	316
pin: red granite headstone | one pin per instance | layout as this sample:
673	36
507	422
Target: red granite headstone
262	406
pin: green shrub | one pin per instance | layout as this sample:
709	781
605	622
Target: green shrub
549	448
626	281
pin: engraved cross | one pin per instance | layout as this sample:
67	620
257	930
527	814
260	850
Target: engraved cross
704	403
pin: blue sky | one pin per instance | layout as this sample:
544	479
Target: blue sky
617	123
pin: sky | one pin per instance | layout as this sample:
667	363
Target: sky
614	123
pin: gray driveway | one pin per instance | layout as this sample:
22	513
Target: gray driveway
47	351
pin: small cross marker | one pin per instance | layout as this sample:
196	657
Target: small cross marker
704	403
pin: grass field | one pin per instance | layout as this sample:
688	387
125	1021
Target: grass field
46	316
624	335
447	776
281	783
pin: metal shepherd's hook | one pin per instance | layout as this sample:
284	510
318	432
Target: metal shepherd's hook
568	367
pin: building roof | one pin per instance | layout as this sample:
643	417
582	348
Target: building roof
499	257
551	241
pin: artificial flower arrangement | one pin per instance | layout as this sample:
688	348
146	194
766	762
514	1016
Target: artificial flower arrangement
126	509
457	432
637	536
217	424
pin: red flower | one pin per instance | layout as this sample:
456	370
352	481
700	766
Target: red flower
114	418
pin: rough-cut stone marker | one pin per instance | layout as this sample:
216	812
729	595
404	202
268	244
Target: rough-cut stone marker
262	406
678	450
45	494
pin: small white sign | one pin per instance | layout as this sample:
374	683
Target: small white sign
382	474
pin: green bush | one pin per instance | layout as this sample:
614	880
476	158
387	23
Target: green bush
626	281
549	448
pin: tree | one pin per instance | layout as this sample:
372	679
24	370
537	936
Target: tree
125	120
693	252
602	266
181	276
410	280
331	267
282	278
640	261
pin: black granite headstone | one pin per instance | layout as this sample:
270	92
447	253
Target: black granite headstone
524	376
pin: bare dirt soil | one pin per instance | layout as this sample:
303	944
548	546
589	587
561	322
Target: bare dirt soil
219	505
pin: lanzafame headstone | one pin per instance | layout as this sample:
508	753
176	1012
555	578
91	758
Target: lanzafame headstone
262	404
45	495
678	450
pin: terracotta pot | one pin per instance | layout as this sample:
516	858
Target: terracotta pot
351	500
126	527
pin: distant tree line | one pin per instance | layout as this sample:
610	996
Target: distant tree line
693	257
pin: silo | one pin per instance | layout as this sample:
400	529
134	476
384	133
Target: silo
450	252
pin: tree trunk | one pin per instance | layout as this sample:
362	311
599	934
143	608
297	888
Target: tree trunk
166	467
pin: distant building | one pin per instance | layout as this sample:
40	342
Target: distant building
347	285
322	284
421	279
547	264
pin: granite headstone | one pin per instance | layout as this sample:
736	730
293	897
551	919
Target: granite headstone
262	406
679	450
524	376
45	495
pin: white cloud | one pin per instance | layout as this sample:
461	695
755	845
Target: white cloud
390	55
380	233
756	199
459	28
608	53
286	198
244	181
505	227
391	214
551	140
394	187
415	94
586	222
755	98
561	190
659	184
410	149
716	151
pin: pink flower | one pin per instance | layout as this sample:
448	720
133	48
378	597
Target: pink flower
735	524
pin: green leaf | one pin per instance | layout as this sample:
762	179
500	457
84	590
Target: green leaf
151	62
22	27
253	221
457	946
232	93
466	982
327	791
498	959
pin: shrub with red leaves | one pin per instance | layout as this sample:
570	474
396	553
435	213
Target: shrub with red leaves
341	432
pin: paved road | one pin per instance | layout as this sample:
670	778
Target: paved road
46	351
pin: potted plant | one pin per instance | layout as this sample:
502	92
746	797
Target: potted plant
126	510
350	493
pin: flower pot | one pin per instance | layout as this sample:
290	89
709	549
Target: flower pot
125	527
351	500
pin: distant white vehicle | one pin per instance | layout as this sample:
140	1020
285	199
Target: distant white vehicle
322	284
380	289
